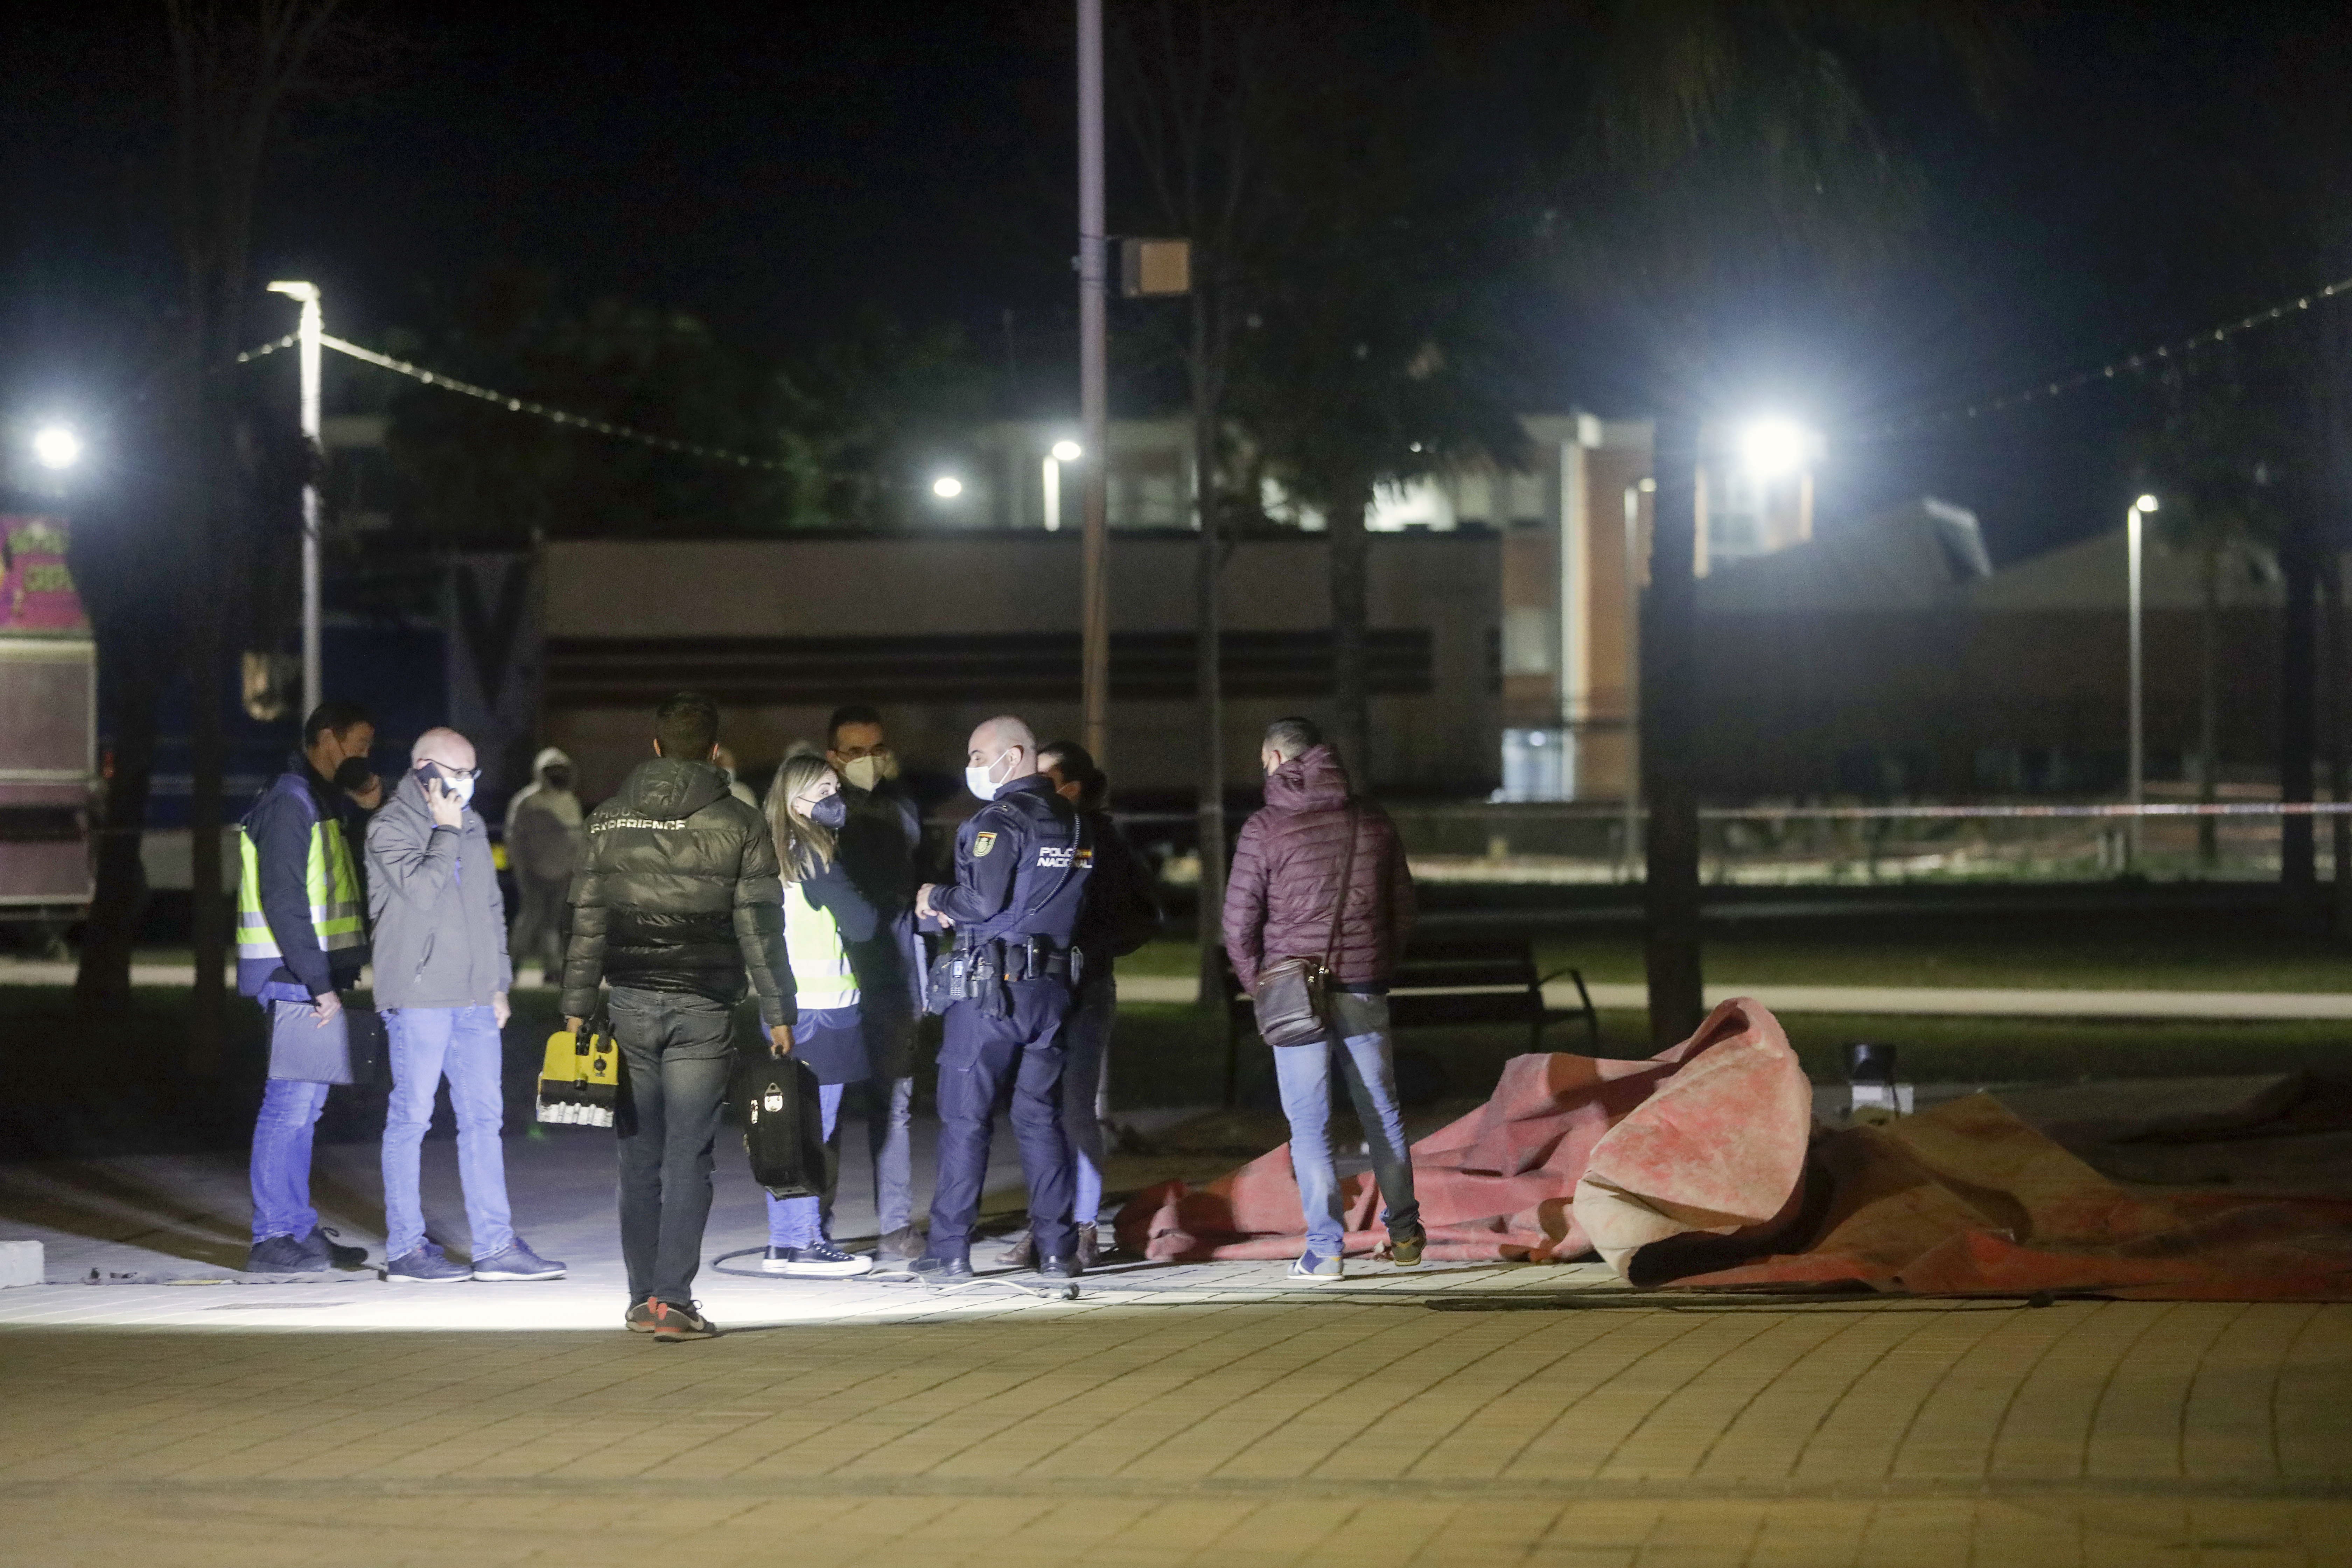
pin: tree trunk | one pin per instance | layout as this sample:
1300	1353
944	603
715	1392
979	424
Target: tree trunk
2298	563
2209	709
134	673
1209	687
1351	677
1669	703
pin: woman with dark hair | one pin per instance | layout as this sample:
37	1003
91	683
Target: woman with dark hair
823	913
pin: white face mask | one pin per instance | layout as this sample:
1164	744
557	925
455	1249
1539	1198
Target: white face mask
862	773
461	786
982	781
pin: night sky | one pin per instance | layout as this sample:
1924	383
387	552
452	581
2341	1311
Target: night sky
2148	171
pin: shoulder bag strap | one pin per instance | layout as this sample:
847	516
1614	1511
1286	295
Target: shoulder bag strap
1347	879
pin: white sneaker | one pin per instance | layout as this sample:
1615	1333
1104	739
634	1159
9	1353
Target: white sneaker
823	1261
1310	1270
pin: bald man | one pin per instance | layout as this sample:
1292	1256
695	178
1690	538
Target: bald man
1022	865
441	977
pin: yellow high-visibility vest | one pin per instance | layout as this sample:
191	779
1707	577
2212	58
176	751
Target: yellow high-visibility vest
334	888
821	972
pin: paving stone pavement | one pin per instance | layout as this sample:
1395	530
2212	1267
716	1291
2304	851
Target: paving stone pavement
1185	1418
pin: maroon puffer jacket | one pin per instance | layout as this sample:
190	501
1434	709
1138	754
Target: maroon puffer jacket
1287	873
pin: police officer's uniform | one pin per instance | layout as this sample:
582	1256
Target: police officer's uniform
1022	865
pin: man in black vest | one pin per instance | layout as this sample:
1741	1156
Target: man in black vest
1022	863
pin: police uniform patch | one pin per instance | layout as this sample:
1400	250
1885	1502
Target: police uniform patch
981	844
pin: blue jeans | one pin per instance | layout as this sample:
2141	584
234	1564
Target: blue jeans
1086	1042
677	1054
462	1044
280	1171
796	1221
1304	1072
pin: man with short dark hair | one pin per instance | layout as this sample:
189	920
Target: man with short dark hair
302	942
1319	873
880	836
677	900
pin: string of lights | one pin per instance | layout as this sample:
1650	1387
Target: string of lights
514	404
2145	360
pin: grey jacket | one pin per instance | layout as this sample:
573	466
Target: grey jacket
440	925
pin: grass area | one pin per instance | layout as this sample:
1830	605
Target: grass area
2164	950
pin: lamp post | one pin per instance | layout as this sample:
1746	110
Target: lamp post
1062	452
313	684
2137	780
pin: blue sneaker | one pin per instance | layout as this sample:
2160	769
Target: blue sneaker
427	1264
284	1255
517	1262
1312	1270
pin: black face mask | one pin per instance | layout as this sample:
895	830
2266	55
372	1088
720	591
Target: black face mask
355	774
830	813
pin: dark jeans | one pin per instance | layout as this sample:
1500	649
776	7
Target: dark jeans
677	1054
978	1056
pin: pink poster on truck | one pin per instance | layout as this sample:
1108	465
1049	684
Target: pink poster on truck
37	590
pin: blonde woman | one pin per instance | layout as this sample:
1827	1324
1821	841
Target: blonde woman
823	913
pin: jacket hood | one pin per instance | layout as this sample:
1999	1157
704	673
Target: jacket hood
549	757
1314	780
668	789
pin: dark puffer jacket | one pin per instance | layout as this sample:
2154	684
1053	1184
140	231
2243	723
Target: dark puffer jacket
678	891
1285	878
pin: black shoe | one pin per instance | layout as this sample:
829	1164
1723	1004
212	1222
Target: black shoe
929	1267
1061	1268
322	1242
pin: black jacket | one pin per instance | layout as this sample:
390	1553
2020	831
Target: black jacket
678	891
1121	913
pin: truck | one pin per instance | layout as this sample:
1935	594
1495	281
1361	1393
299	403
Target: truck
48	727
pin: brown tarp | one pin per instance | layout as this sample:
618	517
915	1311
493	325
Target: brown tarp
1702	1166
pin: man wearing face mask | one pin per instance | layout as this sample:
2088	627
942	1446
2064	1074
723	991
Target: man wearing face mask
1022	865
543	839
302	942
880	834
442	975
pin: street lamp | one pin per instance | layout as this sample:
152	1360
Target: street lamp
57	447
1064	451
1773	446
2138	782
306	335
947	487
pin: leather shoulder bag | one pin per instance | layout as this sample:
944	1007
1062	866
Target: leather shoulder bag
1293	997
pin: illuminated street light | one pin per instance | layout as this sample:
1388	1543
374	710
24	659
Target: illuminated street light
309	330
1050	478
1067	452
947	487
2133	518
56	447
1771	447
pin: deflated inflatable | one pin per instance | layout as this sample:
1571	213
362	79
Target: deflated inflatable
1702	1166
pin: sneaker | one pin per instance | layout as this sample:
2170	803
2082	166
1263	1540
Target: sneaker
1312	1270
427	1264
284	1255
823	1261
901	1246
1021	1252
640	1318
518	1261
324	1243
930	1267
1089	1245
673	1323
1405	1247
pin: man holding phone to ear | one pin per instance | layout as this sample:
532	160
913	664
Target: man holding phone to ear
442	974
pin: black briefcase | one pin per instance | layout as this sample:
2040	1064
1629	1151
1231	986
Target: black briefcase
783	1126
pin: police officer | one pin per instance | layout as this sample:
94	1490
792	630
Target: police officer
1022	863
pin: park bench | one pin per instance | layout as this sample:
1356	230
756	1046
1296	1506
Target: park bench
1453	982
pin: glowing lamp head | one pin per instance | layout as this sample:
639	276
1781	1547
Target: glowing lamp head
1771	447
56	447
1067	452
947	487
2145	503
